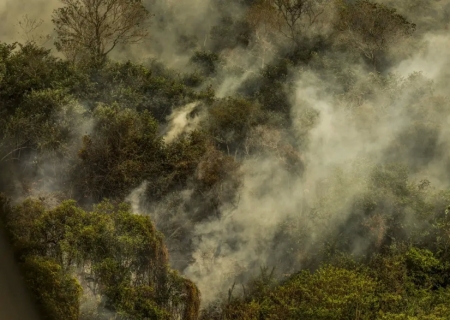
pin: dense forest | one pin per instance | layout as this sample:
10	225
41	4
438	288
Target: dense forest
227	159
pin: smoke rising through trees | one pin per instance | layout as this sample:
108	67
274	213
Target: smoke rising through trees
256	135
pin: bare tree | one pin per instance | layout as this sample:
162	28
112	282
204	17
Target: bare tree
263	18
291	18
29	27
93	28
298	15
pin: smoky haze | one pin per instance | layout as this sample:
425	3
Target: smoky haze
342	135
343	149
12	13
342	142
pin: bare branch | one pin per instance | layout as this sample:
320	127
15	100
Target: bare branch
93	28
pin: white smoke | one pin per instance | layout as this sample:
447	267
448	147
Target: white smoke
181	121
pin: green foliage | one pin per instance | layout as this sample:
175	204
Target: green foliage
46	121
26	68
229	121
424	269
206	61
386	290
56	293
92	128
123	150
152	88
113	252
39	117
269	87
329	293
184	156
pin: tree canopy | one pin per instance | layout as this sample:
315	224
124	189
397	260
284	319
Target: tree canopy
257	159
90	29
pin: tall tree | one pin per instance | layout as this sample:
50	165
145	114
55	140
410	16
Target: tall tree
298	15
93	28
372	28
67	255
294	20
